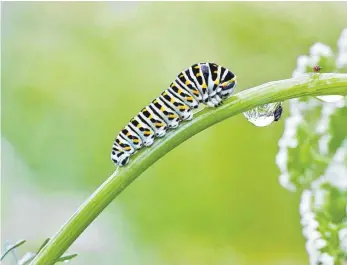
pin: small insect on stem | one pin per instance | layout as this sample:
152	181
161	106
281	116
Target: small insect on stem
316	68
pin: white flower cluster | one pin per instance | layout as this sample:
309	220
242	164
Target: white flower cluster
323	124
288	140
314	198
297	110
336	173
341	60
343	238
314	242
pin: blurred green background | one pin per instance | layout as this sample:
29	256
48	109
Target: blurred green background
74	73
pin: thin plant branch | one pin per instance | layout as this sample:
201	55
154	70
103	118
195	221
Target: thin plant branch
307	85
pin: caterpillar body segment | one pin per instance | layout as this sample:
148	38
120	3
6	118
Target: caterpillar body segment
122	143
181	93
157	124
187	83
131	137
206	83
184	112
165	112
140	127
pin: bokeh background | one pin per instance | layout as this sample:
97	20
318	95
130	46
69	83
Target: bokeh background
74	73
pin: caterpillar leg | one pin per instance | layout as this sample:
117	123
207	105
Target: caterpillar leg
214	102
189	116
149	141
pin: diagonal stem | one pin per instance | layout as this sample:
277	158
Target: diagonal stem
308	85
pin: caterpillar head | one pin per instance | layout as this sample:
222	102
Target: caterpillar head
228	84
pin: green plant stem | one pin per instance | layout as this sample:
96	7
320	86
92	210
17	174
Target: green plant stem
308	85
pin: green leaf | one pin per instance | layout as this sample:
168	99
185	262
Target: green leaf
67	258
12	247
43	244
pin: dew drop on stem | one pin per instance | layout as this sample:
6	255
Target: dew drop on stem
264	115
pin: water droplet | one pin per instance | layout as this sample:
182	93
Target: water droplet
330	98
264	115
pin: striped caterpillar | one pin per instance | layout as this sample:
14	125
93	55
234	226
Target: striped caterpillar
206	83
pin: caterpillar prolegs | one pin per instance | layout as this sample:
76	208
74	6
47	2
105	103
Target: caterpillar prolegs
206	83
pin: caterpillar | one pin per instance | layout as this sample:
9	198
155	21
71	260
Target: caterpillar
201	83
